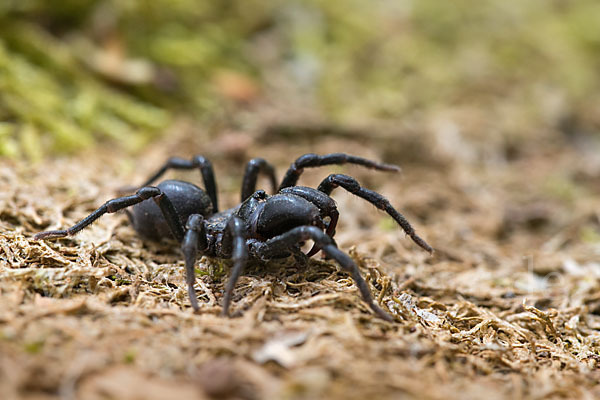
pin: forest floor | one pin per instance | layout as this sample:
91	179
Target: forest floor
508	306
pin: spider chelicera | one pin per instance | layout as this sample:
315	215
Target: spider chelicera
262	226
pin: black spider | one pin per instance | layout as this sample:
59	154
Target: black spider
263	227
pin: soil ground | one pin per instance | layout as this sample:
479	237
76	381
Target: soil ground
507	307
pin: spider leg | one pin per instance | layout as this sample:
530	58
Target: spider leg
120	203
351	185
239	255
194	240
277	245
313	160
206	168
253	168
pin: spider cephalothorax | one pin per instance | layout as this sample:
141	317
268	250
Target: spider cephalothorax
262	226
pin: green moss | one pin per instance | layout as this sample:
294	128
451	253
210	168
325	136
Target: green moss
590	235
34	347
387	224
129	356
356	58
562	188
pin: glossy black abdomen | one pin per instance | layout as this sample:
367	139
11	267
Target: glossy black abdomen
187	198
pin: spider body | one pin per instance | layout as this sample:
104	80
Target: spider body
187	198
262	226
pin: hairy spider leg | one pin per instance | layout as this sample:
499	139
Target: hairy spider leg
323	202
351	185
274	247
239	255
120	203
253	168
314	160
206	168
194	240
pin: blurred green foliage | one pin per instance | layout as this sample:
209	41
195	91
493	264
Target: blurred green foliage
398	56
78	71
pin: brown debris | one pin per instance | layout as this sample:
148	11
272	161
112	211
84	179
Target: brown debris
104	315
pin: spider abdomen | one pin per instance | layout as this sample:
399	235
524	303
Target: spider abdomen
187	198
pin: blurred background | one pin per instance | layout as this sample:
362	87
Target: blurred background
491	107
480	80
